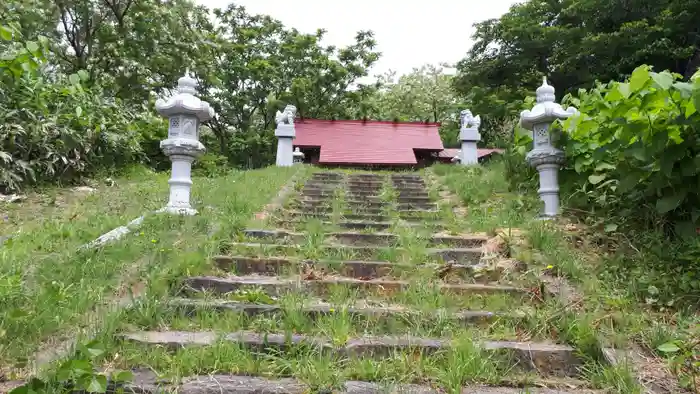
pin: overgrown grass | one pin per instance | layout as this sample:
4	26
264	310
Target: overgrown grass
183	246
525	321
484	192
624	295
50	290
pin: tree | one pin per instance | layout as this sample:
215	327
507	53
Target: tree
259	66
574	44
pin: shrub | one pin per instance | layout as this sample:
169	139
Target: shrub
634	148
52	128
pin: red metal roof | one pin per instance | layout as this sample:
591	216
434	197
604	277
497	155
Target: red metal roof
450	153
367	142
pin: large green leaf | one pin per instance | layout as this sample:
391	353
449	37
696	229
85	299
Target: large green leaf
670	202
664	79
596	178
639	79
668	347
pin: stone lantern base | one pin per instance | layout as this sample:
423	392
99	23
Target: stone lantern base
182	152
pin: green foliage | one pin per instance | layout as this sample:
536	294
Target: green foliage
78	374
573	44
634	148
684	354
53	127
258	66
522	178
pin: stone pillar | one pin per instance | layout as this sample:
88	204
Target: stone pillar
285	133
544	156
469	135
185	113
298	156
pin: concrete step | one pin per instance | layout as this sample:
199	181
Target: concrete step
364	210
355	224
369	239
359	184
241	265
544	358
384	315
276	286
149	382
457	255
348	216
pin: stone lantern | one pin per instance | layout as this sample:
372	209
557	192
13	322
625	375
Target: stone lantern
298	156
285	134
185	113
469	135
544	156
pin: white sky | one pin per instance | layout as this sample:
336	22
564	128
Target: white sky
409	33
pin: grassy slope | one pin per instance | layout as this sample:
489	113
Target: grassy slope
38	303
49	289
601	313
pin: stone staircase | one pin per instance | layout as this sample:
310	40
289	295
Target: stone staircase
356	275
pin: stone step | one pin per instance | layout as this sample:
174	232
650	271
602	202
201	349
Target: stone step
402	206
355	224
327	174
406	176
363	210
364	184
364	202
408	180
366	176
370	239
276	286
544	358
348	216
362	225
458	255
410	191
148	382
374	199
331	193
246	266
384	316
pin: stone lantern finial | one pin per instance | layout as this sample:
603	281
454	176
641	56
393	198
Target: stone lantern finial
544	156
187	84
545	93
469	135
185	112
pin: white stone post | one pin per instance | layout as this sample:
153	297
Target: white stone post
285	133
185	112
469	135
544	156
298	156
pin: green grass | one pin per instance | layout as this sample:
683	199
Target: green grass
50	291
183	246
605	310
529	321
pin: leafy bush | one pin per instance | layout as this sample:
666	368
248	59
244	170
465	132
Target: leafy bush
52	128
522	178
633	165
634	148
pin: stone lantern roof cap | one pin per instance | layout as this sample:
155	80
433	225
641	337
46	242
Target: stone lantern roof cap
297	152
185	102
546	110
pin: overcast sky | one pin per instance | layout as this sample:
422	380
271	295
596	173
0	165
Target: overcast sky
409	33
